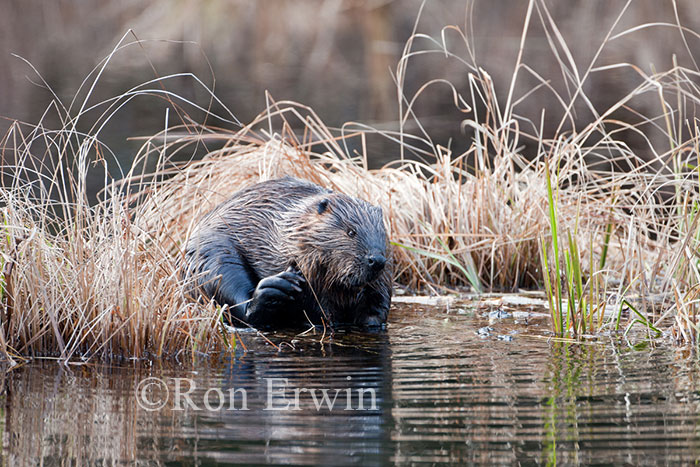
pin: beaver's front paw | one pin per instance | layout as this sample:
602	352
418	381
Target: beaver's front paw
276	291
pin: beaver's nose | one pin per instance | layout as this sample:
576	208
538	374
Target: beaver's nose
376	262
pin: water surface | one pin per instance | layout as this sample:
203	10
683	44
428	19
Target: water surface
445	390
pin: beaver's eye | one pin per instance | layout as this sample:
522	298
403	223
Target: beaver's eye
351	232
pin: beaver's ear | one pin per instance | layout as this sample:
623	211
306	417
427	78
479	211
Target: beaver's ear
323	206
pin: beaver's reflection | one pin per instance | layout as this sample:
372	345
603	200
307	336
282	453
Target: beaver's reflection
327	401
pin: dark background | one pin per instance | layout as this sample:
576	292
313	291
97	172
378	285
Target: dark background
337	56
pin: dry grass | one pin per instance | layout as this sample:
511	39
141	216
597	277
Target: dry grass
104	280
86	281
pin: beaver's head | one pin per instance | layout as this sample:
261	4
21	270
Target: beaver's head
339	241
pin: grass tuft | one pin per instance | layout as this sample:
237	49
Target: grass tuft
579	212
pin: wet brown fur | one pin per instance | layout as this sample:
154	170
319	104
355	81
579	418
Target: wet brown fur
279	223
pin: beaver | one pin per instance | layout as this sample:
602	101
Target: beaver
286	253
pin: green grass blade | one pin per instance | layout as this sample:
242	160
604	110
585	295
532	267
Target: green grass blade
555	243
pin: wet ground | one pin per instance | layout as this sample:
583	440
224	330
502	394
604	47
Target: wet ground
445	383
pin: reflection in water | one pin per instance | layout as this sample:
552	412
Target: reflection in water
442	394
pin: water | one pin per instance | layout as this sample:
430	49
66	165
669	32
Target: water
442	393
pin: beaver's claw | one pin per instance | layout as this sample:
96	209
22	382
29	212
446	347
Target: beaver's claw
276	291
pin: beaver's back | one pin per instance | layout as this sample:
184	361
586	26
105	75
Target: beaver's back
249	222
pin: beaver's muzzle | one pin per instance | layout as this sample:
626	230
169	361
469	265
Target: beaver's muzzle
376	262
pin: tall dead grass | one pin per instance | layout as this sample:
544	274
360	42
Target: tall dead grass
104	280
85	281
